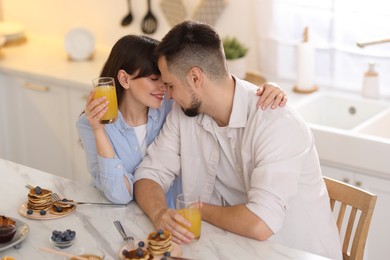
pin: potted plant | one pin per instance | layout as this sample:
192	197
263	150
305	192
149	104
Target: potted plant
235	53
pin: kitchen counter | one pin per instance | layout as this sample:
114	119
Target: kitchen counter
94	224
45	58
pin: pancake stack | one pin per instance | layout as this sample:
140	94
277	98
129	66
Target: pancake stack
160	242
39	199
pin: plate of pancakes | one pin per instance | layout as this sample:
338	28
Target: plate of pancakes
40	205
154	247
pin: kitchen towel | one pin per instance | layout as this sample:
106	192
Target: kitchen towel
173	10
208	11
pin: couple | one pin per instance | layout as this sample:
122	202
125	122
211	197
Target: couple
258	168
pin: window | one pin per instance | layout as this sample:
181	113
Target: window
335	26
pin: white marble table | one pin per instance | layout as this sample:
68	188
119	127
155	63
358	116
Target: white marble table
95	228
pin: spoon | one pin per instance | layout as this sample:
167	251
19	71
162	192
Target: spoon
129	17
149	23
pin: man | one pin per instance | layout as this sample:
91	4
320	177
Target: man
257	172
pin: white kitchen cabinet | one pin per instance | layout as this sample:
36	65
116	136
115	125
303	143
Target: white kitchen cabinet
379	234
39	132
77	101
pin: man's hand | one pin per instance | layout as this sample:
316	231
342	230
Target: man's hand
154	205
169	219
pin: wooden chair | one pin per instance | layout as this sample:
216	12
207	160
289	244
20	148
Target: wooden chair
360	202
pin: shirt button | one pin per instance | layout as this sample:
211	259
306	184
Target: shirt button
118	166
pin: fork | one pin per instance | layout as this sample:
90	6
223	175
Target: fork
129	240
55	197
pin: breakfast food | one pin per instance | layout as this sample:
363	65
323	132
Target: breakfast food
5	221
40	201
137	254
160	242
7	229
58	208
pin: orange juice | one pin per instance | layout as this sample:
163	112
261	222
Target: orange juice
110	94
192	215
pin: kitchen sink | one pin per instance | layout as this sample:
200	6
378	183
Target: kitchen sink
348	130
338	111
378	126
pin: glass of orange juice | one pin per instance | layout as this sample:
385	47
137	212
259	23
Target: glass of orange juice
189	207
105	86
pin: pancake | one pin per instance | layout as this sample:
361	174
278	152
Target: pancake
58	208
160	242
134	254
39	200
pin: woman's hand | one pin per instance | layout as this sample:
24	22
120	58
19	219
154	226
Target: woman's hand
271	94
94	110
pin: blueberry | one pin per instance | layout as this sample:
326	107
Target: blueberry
64	200
140	252
38	190
160	231
141	244
58	208
42	212
56	233
30	211
167	253
163	258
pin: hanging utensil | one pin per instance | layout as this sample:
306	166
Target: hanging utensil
129	17
149	23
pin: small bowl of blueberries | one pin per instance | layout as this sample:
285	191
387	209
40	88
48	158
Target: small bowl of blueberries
63	239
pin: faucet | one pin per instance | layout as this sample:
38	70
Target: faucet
364	44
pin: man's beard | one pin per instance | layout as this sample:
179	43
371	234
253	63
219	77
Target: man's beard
194	109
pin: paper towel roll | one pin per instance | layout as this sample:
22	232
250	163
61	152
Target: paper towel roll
305	66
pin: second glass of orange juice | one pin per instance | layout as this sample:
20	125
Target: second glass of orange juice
189	207
105	86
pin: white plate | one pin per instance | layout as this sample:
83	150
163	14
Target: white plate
11	31
22	230
79	44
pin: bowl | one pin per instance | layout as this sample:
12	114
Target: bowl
7	233
89	253
62	244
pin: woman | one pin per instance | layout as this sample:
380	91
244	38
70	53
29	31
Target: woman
113	151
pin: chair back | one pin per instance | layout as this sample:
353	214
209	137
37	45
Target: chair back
354	208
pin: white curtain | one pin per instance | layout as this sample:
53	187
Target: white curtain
335	26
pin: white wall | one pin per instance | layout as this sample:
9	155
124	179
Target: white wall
102	18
